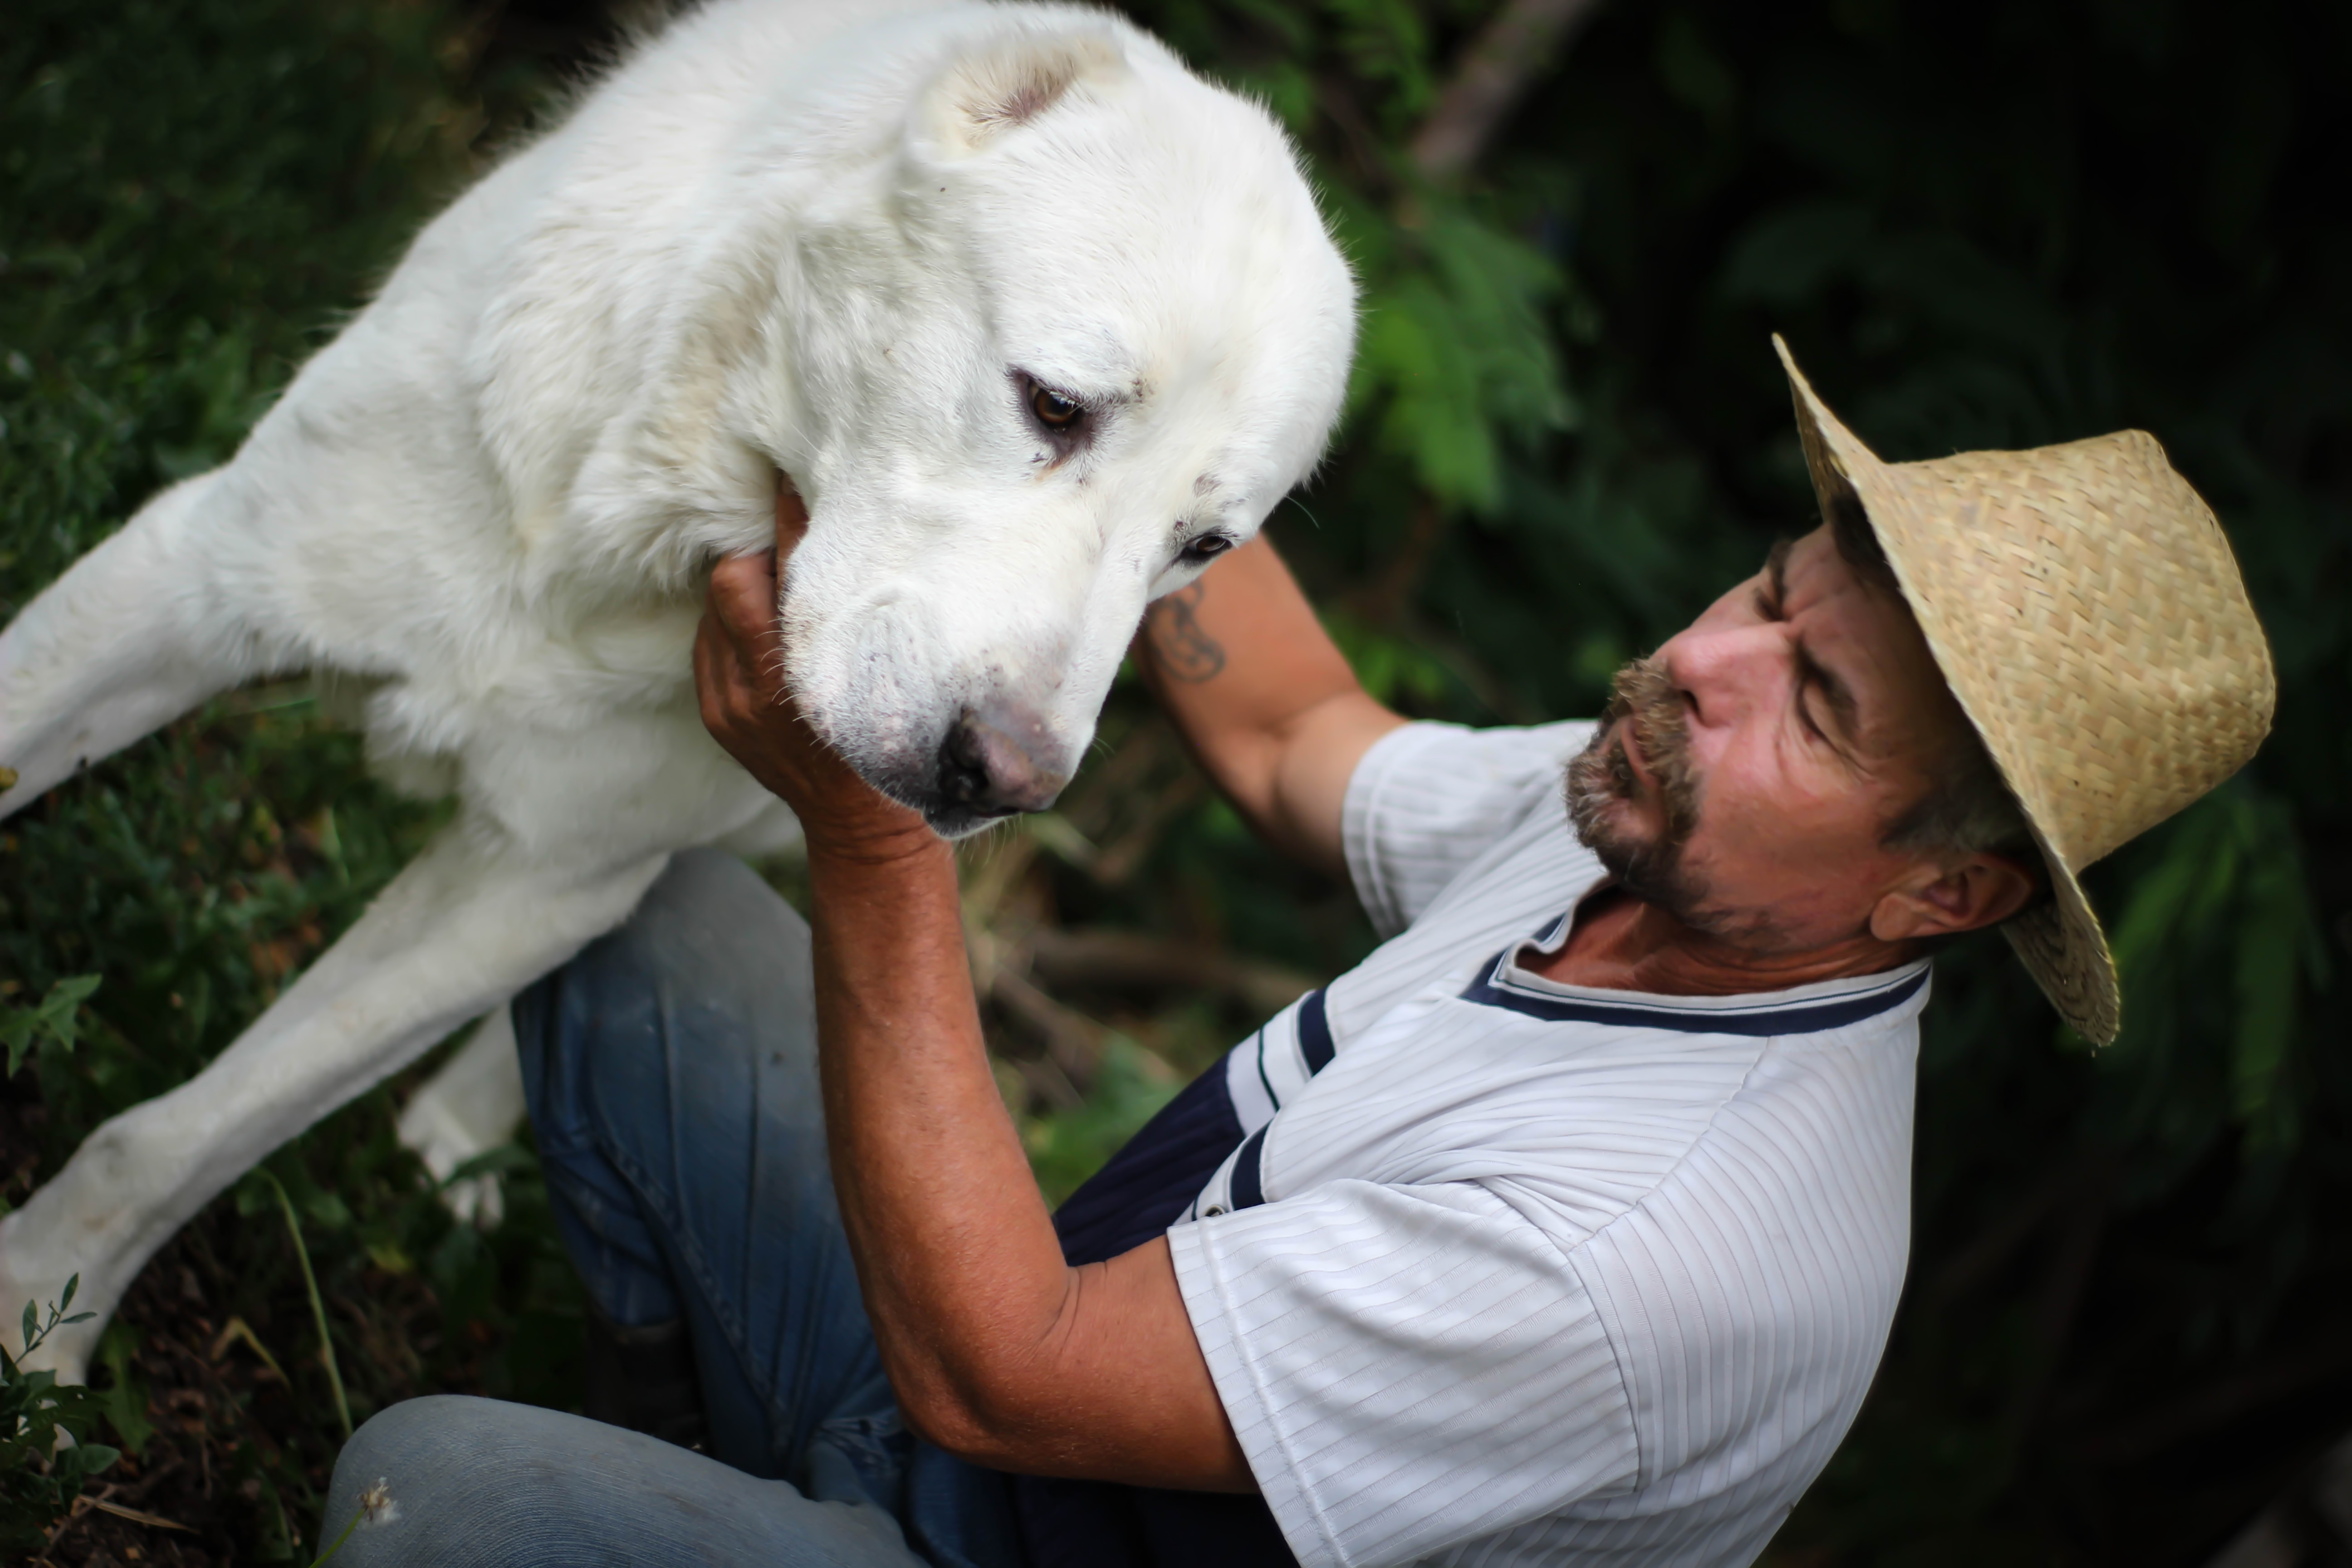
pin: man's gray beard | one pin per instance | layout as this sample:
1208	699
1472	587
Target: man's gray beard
1643	699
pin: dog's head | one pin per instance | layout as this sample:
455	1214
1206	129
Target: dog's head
1078	335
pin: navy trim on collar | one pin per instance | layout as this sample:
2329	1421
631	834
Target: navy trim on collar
1491	990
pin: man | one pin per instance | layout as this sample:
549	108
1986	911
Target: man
1567	1228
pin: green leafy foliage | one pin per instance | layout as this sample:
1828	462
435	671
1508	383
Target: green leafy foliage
2228	901
1456	357
192	193
44	1459
54	1023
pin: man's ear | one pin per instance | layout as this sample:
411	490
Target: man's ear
1970	894
1008	82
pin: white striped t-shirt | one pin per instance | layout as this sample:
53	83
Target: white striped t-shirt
1513	1272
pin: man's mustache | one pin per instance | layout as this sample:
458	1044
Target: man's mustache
1644	700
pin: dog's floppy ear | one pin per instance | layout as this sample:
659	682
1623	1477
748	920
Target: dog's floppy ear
1008	81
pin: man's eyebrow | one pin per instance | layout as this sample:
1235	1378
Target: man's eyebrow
1776	573
1810	670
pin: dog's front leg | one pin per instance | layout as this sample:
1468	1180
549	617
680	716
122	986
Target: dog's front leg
467	924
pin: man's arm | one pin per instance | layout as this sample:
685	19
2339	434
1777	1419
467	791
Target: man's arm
1264	698
998	1350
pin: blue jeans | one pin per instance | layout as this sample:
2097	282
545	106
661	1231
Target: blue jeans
672	1075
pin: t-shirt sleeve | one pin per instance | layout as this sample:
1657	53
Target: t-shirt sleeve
1428	799
1406	1367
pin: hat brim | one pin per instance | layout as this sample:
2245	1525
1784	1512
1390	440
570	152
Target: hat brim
2060	940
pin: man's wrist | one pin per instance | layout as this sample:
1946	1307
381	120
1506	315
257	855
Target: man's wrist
888	836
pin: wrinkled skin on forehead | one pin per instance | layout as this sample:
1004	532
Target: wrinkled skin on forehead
1141	250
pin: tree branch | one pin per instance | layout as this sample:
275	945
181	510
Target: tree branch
1515	47
1105	959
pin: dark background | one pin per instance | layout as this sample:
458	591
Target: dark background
2002	224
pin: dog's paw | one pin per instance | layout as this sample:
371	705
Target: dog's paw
446	1142
478	1201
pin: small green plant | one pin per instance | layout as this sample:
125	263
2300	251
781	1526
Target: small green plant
53	1022
43	1461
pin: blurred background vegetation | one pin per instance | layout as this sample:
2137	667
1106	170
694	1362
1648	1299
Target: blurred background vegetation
2013	222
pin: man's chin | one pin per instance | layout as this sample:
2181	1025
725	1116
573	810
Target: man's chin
1637	855
1607	817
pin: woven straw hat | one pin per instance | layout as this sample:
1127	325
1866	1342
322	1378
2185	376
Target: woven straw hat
2087	611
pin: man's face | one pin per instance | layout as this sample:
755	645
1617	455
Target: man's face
1743	776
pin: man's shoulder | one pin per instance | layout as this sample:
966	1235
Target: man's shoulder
1426	771
1582	1105
1428	800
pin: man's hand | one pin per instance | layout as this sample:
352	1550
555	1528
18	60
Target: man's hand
739	675
997	1348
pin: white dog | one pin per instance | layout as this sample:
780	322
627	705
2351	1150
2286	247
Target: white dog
1037	321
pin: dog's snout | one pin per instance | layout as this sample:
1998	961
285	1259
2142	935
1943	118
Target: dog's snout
999	760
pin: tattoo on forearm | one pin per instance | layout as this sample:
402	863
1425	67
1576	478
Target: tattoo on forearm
1186	652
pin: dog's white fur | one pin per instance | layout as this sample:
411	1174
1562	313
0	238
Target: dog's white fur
836	239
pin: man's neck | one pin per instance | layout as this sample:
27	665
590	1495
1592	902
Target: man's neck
1619	944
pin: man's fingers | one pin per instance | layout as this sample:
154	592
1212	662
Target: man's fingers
743	599
792	518
717	675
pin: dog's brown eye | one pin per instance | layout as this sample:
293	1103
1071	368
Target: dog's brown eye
1054	410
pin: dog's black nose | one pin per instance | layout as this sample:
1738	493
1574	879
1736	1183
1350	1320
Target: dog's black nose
995	761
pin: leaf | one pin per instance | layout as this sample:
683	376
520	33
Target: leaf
1457	347
125	1401
16	1033
61	1013
56	1019
2276	924
2196	863
84	1460
1388	43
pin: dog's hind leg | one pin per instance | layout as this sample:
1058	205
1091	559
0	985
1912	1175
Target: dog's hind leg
130	638
467	924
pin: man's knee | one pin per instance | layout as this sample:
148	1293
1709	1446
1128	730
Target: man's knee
411	1485
448	1482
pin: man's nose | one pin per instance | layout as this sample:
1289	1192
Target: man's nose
1724	673
999	758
